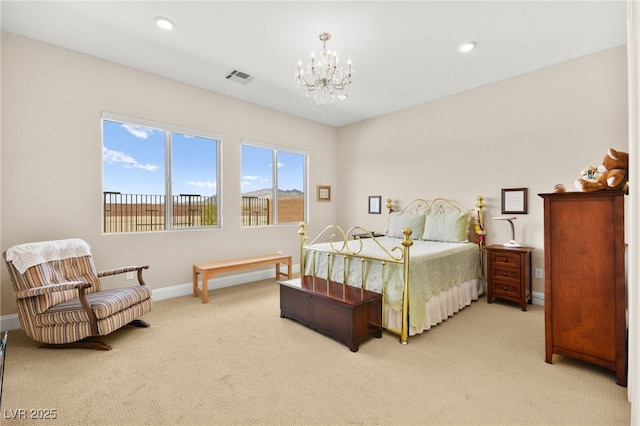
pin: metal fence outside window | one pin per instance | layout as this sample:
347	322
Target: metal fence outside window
146	212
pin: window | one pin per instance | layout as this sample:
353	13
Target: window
158	177
273	185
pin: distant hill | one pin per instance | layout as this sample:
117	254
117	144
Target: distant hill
266	193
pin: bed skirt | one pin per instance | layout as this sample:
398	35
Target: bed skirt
439	307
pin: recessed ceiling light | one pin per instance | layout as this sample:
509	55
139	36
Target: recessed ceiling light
467	47
164	23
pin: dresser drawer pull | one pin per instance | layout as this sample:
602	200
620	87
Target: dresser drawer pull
504	259
504	288
504	274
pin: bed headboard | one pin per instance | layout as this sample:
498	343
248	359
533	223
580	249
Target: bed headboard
424	206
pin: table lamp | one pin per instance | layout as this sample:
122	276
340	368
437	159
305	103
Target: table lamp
513	242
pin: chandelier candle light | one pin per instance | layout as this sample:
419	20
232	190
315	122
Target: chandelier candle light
324	80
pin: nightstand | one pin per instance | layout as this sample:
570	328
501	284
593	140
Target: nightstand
509	274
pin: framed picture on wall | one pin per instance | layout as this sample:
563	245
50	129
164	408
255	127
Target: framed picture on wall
323	193
375	204
514	200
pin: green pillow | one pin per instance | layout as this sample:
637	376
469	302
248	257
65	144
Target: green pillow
451	227
398	221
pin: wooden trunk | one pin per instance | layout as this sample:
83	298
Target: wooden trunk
348	314
585	300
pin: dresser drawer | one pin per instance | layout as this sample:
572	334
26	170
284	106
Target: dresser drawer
505	274
505	259
506	289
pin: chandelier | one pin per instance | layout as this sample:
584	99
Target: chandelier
324	80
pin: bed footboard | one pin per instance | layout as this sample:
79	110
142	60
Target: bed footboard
383	264
350	251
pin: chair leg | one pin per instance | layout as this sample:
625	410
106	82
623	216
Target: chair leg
139	323
86	343
91	342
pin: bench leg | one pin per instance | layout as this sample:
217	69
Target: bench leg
205	287
279	273
195	282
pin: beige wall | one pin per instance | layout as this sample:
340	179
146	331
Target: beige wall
532	131
52	100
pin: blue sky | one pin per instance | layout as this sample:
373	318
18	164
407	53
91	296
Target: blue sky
133	163
257	169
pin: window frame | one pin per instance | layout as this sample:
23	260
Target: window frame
274	177
169	130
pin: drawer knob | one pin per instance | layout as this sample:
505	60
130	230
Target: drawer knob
504	288
504	259
504	274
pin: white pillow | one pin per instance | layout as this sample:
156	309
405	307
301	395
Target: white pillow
398	221
452	227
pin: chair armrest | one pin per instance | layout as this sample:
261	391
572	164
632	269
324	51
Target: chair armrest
48	289
117	271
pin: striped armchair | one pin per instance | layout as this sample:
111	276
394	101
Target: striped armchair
61	303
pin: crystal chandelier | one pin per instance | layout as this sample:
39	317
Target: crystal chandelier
324	80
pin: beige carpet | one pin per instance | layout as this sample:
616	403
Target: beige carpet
235	361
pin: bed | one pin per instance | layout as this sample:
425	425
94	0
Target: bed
427	266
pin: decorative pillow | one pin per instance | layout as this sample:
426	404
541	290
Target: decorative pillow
398	221
451	227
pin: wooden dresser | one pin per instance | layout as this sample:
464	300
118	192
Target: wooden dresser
584	297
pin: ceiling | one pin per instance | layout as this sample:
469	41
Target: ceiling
403	53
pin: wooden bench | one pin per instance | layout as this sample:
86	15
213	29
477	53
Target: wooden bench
209	269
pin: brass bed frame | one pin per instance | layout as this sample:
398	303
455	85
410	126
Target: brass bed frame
398	254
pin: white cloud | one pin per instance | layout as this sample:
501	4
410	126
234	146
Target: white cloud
280	165
138	131
201	184
253	182
127	161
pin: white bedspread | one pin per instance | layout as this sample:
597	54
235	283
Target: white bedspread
434	267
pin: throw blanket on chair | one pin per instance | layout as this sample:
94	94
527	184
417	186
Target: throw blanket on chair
24	256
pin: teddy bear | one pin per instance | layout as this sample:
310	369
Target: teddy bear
612	175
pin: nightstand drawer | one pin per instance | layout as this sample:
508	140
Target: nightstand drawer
505	259
505	274
504	288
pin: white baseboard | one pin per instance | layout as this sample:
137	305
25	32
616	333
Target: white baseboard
537	298
11	322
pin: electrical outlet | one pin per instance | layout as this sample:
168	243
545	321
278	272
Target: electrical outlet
129	275
538	273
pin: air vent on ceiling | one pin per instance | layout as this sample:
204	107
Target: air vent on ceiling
239	76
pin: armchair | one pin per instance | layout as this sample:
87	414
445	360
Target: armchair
60	299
